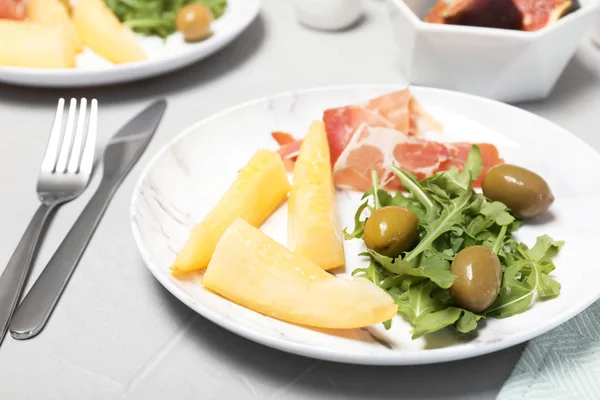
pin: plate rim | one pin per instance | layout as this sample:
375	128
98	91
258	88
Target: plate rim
432	356
127	72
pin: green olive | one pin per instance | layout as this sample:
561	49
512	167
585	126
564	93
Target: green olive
391	230
479	274
523	191
193	21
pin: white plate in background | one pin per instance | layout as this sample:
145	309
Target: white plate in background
163	56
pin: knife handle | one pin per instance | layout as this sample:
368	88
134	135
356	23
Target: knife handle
35	309
13	277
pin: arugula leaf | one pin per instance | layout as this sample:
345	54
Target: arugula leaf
157	17
527	275
376	193
417	301
515	294
375	180
372	273
499	241
410	183
545	248
359	224
497	213
465	321
541	254
439	274
455	182
432	322
409	203
428	312
468	321
450	216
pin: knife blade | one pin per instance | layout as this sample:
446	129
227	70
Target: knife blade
121	154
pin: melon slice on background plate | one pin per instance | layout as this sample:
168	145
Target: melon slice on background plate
39	46
252	270
258	190
101	31
314	227
52	12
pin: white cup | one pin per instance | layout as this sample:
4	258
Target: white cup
328	14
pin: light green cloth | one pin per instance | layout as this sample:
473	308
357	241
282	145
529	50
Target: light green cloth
563	364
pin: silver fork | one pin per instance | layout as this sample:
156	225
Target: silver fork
65	172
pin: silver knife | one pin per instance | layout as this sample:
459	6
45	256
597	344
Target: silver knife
120	155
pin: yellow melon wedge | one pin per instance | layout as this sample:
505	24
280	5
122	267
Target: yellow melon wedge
251	269
52	12
314	229
101	30
27	44
258	190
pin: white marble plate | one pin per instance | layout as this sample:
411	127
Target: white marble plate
163	56
186	178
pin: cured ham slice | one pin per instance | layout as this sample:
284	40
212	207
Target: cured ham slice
342	123
288	150
385	131
380	148
12	9
398	110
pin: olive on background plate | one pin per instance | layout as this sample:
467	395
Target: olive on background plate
193	21
391	230
523	191
479	275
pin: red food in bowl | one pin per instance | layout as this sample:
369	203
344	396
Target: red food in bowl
525	15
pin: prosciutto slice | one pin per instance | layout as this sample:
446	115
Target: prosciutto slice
385	131
379	149
398	110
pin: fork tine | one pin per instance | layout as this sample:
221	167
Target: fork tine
73	166
89	149
50	158
67	143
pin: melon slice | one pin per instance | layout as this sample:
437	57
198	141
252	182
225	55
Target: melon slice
314	228
27	44
101	30
258	190
251	269
52	12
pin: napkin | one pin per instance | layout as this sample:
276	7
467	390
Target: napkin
562	364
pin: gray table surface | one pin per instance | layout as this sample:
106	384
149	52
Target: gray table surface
117	334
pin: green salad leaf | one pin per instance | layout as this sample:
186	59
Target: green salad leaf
157	17
429	311
452	216
526	275
438	273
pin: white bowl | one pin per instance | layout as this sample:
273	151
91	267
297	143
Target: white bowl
596	31
500	64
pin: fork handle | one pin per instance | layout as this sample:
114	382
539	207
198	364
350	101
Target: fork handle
38	304
13	277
